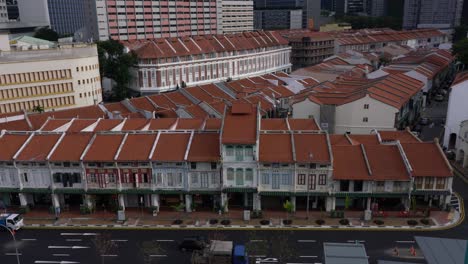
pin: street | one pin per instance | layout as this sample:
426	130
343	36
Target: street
160	246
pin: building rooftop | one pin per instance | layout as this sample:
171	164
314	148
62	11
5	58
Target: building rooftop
345	253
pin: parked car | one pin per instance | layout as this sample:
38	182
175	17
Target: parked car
439	97
424	121
192	243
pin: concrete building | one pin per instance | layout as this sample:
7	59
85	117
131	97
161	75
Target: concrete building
3	11
66	16
236	16
376	8
165	64
34	12
443	14
456	111
461	145
311	14
271	19
61	77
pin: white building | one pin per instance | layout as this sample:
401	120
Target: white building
3	11
457	110
63	77
237	16
462	145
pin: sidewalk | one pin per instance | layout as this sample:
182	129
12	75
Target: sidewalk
142	219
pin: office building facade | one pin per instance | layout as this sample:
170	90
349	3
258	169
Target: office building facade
432	13
66	16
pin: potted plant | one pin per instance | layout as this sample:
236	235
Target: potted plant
344	221
289	207
320	221
425	221
264	222
412	222
153	210
378	222
213	221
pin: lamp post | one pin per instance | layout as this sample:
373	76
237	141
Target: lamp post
14	241
308	184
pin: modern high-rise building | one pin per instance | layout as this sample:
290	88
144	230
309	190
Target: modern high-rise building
236	16
270	19
3	11
444	14
278	4
376	8
12	8
66	16
311	14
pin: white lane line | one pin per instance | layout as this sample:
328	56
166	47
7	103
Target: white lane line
57	262
257	256
28	239
119	240
306	241
407	241
61	255
356	241
164	240
257	240
74	240
78	234
304	263
109	255
308	256
67	247
12	254
158	256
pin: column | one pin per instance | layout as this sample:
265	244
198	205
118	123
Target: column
330	204
406	202
246	200
188	203
121	198
88	201
23	200
55	200
224	202
257	202
155	201
293	202
368	204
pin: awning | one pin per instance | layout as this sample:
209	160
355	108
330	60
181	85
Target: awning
204	192
239	190
102	191
278	193
35	190
69	190
137	191
352	194
312	194
431	192
169	191
9	190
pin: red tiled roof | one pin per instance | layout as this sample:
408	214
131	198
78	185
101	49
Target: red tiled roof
248	122
275	148
213	124
302	124
107	124
135	124
11	143
204	148
426	159
349	163
104	147
171	147
161	123
137	147
71	147
142	103
18	125
339	140
117	107
311	148
403	136
386	163
364	139
80	124
53	124
189	123
196	111
178	98
273	124
38	148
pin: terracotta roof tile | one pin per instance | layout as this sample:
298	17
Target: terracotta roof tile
386	162
311	144
275	148
273	124
339	140
18	125
348	159
403	136
80	124
364	139
71	147
302	124
104	147
161	123
117	107
38	148
53	124
171	147
135	124
204	148
213	124
196	111
107	124
142	103
426	160
11	143
137	147
189	123
178	98
248	122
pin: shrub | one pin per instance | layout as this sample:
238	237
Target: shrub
425	221
378	222
256	214
177	222
24	209
320	221
264	222
226	222
412	222
344	221
84	209
213	221
287	221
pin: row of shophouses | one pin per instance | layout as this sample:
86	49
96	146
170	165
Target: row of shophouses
248	162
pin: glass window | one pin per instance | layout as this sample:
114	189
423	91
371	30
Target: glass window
322	179
248	151
265	178
214	178
301	179
213	165
57	177
193	165
239	176
285	179
229	151
248	174
230	174
194	178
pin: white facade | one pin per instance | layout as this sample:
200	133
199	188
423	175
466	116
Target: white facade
306	109
237	16
457	112
462	144
3	11
60	78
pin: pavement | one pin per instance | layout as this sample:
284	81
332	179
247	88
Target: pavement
436	112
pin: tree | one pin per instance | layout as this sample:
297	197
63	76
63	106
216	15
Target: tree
460	33
289	207
360	22
38	108
47	34
460	50
115	64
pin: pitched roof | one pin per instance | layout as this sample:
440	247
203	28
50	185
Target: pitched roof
386	162
275	148
189	123
404	136
38	147
11	143
52	124
79	124
204	148
162	123
171	147
339	140
213	124
311	148
104	147
71	147
302	124
426	159
134	124
240	116
349	163
273	124
107	124
137	147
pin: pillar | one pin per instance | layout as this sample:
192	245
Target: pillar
406	202
188	203
88	201
293	202
23	200
368	203
257	203
155	201
224	202
246	200
55	200
122	201
330	204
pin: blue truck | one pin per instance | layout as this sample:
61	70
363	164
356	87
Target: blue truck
221	252
11	221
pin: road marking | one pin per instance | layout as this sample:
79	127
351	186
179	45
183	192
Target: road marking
306	241
408	242
74	239
57	262
308	256
257	240
69	247
356	241
61	255
12	254
165	240
158	256
304	263
109	256
78	234
258	256
119	240
28	239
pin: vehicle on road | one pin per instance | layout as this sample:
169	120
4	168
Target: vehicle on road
439	97
221	252
424	121
11	221
192	243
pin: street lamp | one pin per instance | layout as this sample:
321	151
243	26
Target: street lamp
14	240
307	186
